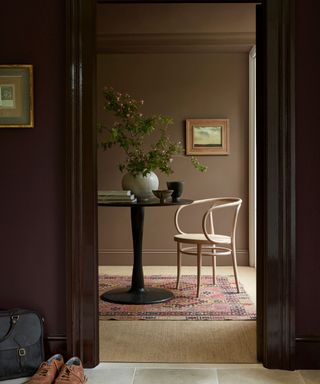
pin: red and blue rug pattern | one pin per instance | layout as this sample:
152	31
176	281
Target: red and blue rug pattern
219	302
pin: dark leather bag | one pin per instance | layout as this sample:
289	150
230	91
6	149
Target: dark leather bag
21	343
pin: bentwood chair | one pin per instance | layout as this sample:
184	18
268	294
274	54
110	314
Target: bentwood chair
208	242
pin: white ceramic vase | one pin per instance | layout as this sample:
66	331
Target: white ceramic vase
140	185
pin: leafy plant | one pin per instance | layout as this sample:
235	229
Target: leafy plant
129	132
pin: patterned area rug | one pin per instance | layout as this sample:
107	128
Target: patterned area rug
220	302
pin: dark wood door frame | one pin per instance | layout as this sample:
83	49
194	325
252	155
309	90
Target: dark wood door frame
276	184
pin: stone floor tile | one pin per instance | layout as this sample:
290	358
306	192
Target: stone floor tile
21	380
310	377
106	375
258	376
175	376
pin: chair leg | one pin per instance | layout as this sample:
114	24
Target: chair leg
214	264
235	267
199	259
178	265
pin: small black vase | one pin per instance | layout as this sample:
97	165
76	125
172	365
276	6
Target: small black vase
177	187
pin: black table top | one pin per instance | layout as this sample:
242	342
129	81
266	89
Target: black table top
147	203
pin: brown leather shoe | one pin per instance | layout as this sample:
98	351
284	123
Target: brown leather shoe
48	371
72	372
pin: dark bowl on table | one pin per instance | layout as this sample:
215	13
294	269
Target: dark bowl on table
162	194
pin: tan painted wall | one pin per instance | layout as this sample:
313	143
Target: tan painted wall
182	85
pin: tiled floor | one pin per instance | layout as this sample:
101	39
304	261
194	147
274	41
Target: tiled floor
147	373
121	373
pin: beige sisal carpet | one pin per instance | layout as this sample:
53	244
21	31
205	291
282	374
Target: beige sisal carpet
178	341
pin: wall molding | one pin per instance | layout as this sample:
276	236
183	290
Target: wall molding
106	251
176	42
308	339
56	337
54	343
163	257
81	184
307	352
252	159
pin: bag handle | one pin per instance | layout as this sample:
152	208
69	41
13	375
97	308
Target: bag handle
14	319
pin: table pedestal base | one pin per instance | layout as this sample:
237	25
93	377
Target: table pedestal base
142	296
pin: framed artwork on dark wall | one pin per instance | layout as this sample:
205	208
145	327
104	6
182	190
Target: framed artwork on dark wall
207	136
16	96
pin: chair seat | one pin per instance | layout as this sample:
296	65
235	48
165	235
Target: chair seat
201	238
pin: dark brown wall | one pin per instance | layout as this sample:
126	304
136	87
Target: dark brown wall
308	186
32	190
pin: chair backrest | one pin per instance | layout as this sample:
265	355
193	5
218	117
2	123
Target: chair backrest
218	203
222	203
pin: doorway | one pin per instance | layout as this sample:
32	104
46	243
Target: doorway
276	187
194	67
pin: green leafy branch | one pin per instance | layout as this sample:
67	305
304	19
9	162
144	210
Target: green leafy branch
129	132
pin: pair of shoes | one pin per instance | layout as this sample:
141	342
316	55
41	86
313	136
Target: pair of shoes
54	370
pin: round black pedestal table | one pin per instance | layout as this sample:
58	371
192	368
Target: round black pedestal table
138	293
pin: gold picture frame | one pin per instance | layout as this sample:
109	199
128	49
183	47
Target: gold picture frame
207	137
16	96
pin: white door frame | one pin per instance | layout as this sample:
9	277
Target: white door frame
252	159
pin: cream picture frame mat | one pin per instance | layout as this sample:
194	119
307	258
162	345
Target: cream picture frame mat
17	110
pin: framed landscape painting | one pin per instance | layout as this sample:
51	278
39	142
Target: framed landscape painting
16	96
207	136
